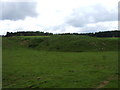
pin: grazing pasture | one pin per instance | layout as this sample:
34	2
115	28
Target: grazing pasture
60	62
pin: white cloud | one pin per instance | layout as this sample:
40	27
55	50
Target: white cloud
91	14
101	26
62	16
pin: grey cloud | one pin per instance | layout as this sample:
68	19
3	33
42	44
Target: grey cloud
92	14
61	28
17	10
119	11
95	28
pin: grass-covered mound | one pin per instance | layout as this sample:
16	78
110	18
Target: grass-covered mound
64	43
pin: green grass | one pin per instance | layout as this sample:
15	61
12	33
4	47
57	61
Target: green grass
58	69
32	36
29	67
67	43
113	83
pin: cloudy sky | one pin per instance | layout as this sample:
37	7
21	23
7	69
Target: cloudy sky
58	16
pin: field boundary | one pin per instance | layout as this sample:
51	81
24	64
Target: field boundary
0	62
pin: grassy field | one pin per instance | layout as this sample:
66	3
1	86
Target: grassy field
38	63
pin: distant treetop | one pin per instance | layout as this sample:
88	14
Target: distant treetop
115	33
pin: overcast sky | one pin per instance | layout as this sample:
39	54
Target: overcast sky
58	16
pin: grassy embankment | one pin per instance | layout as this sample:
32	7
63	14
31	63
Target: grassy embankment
60	62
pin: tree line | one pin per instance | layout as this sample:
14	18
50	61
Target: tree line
114	33
28	33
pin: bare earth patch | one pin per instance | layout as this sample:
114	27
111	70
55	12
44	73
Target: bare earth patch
104	83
